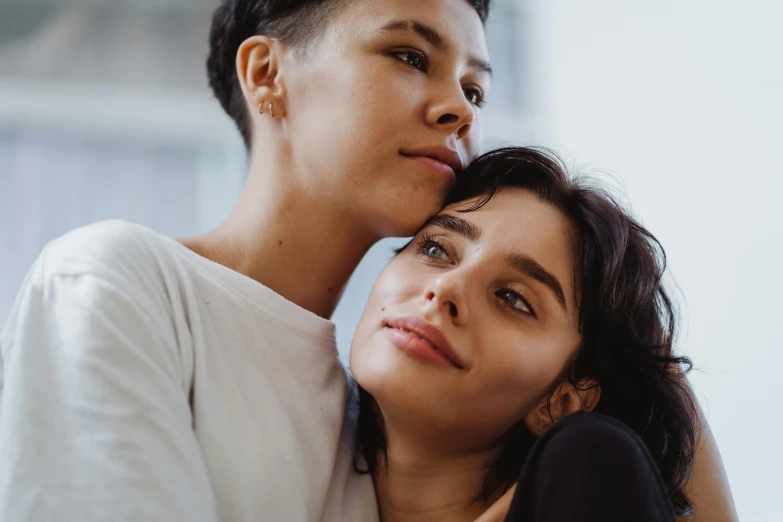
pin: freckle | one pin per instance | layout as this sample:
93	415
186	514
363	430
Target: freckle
383	309
280	242
330	289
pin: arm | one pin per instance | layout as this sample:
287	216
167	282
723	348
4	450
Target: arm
94	418
708	487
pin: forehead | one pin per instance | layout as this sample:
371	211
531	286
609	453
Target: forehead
515	213
456	20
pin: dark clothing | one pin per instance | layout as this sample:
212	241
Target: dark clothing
590	467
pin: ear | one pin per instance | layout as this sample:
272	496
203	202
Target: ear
258	71
565	400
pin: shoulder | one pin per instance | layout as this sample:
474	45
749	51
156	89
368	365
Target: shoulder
114	249
101	294
114	260
107	284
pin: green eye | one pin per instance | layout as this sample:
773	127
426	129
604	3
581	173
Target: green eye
431	249
514	301
435	251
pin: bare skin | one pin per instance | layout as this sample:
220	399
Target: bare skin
708	488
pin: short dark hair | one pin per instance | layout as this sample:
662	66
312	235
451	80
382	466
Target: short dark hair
626	318
295	22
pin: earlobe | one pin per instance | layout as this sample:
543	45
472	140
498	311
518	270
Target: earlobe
258	72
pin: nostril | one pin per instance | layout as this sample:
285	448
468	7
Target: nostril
463	131
453	309
447	119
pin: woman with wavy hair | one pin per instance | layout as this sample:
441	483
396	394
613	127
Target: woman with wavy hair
525	334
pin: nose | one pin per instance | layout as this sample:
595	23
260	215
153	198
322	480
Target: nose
446	297
451	112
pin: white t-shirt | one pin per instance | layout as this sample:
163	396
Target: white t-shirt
141	381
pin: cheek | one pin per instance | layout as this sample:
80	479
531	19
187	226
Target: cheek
354	97
512	377
391	288
320	104
474	140
396	283
351	130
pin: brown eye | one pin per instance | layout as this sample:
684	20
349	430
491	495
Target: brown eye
475	97
414	59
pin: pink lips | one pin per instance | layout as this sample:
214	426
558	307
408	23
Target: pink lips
434	165
417	337
439	158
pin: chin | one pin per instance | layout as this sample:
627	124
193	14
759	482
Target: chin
406	220
406	386
406	228
375	369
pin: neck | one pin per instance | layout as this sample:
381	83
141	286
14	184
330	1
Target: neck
283	237
416	483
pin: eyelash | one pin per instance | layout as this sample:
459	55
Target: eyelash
480	100
531	312
412	52
423	242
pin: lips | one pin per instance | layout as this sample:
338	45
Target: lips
439	153
420	338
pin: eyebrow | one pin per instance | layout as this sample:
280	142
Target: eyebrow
436	39
457	225
519	262
530	267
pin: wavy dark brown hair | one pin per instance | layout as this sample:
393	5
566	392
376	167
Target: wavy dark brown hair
627	321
